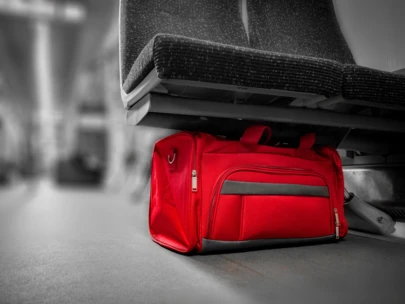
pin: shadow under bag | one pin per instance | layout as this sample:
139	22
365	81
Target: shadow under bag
210	194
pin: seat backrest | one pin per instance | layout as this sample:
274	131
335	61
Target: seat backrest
300	27
213	20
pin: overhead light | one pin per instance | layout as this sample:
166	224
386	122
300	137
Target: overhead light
68	12
74	12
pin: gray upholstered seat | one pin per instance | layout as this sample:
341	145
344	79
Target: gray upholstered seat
178	57
200	58
206	20
310	27
299	27
205	41
373	85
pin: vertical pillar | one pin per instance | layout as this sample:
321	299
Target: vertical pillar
45	99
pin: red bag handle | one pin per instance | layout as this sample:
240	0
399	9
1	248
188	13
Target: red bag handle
307	141
253	134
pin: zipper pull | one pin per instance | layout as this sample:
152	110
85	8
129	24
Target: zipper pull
194	181
337	224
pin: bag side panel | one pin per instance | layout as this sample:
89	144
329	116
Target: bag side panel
171	215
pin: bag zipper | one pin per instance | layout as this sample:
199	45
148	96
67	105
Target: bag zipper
265	169
194	179
337	223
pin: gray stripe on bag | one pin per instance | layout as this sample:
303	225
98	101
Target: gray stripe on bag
209	246
248	188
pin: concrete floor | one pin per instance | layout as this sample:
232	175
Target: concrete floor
88	246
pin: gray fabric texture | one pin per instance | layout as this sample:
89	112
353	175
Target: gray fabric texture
211	20
300	27
178	57
248	188
373	85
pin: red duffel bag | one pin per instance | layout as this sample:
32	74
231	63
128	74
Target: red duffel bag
210	194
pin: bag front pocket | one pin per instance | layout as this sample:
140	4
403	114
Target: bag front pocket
270	203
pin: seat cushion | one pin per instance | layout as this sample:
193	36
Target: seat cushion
177	57
373	85
300	27
213	20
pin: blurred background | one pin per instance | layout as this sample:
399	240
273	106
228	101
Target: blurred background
61	116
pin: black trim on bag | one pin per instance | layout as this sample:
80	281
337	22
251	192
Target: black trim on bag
248	188
215	246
